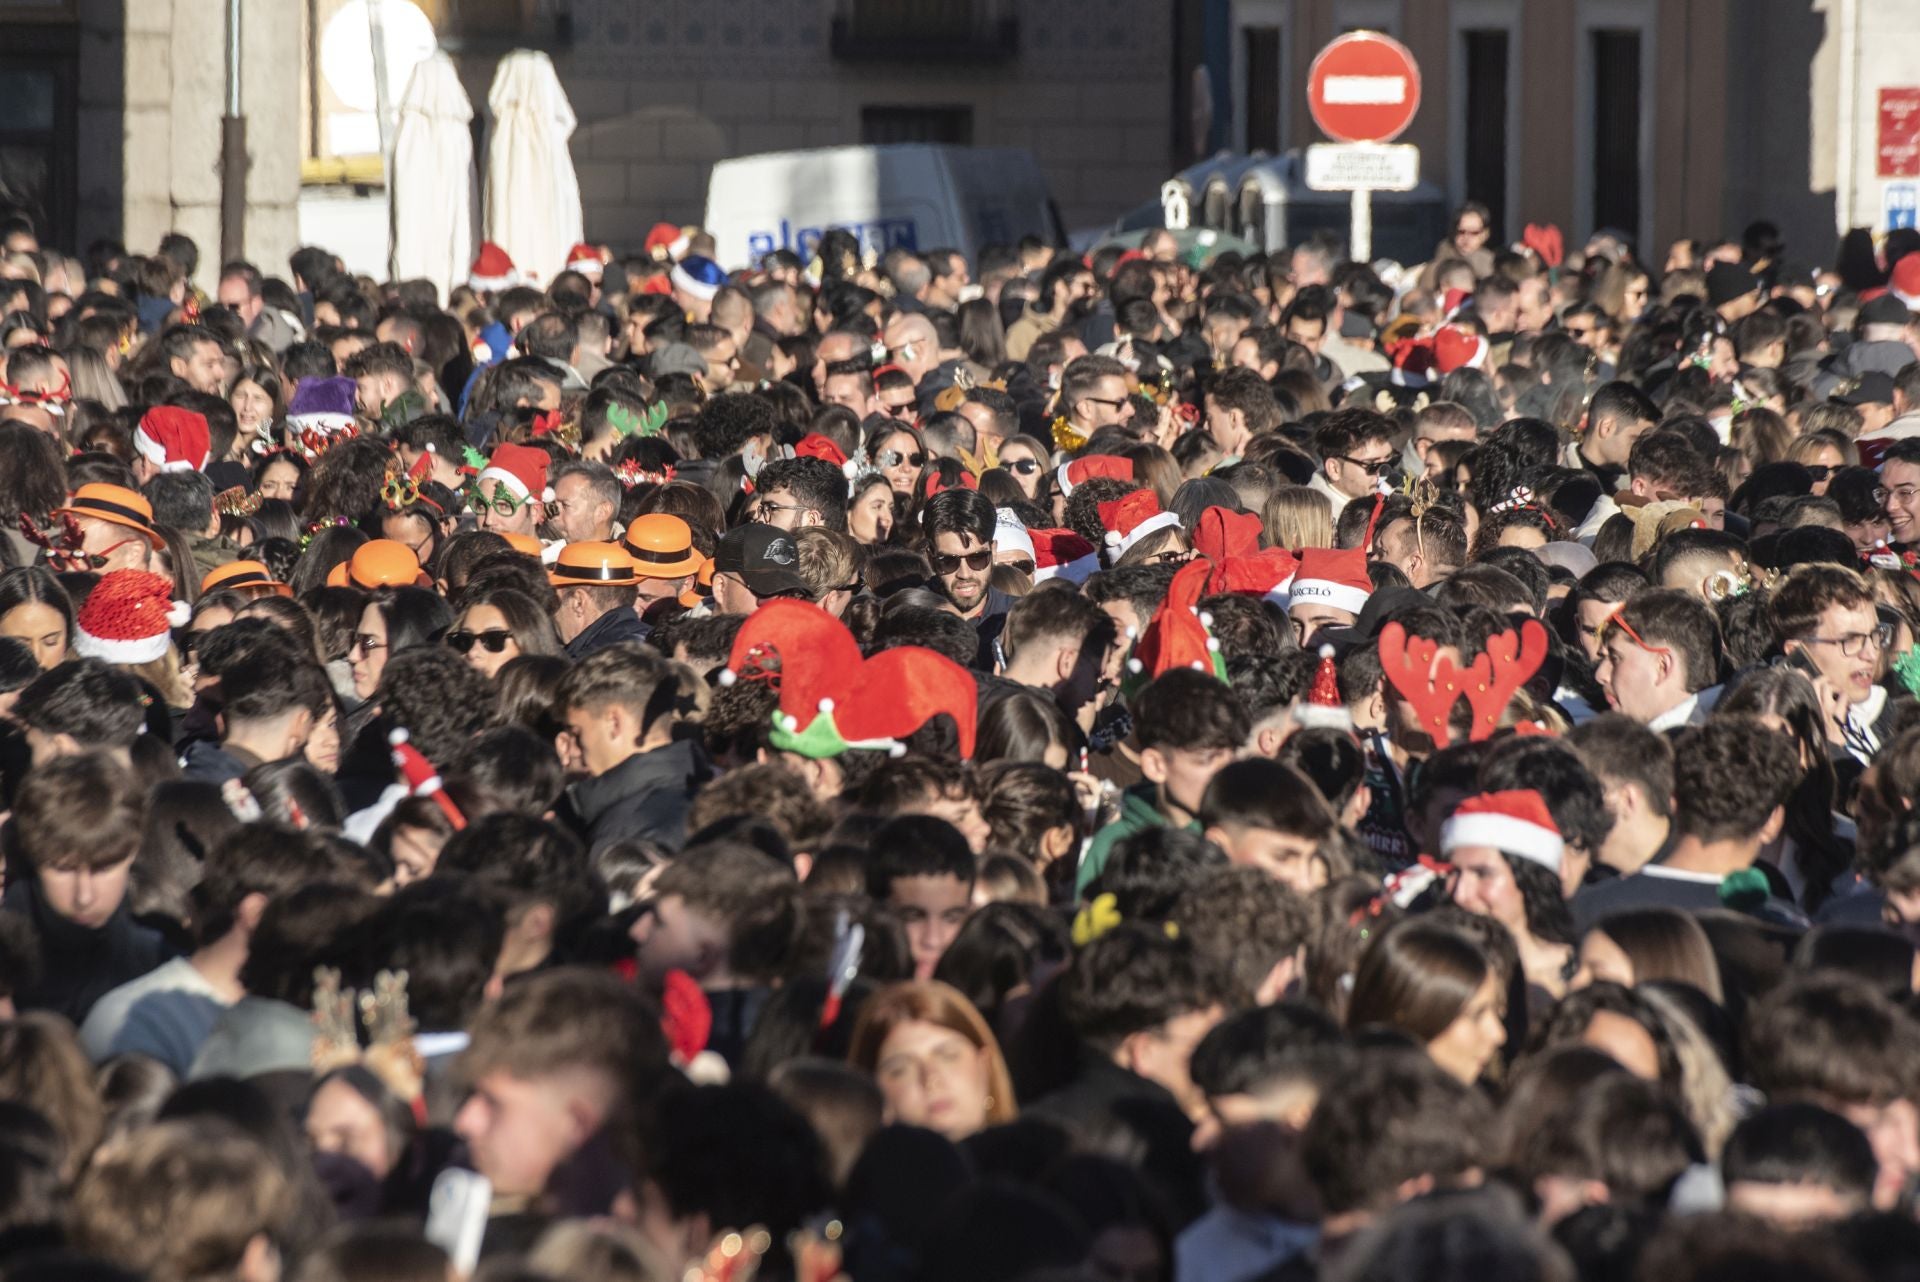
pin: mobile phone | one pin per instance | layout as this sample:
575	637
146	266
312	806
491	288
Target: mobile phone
1799	662
457	1216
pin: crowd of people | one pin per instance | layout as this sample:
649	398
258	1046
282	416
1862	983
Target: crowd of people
1127	766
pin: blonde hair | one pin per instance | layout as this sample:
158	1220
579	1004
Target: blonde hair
1298	517
932	1002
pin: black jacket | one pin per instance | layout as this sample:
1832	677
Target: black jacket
646	796
611	628
78	964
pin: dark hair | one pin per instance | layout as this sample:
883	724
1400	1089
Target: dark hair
97	705
916	846
527	861
1418	977
313	926
1266	1048
1729	775
1801	1143
1191	710
1131	980
446	935
1020	727
438	698
815	484
959	511
1393	1117
1261	793
35	585
1831	1038
1681	621
1243	924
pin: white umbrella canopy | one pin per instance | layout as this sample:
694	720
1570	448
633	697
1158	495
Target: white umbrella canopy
431	187
533	196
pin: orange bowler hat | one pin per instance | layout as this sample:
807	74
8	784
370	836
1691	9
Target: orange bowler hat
524	544
601	565
378	563
661	546
248	576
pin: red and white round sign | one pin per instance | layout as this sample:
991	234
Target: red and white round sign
1363	87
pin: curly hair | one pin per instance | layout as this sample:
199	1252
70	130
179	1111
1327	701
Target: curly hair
345	483
440	699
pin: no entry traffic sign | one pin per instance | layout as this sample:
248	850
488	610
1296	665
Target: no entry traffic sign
1363	87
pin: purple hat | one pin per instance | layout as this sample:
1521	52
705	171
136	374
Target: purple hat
323	402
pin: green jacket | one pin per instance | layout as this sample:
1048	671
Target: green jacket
1139	811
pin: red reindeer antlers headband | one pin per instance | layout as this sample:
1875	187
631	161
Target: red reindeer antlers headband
1429	681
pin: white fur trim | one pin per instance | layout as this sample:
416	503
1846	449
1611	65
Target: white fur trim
1075	571
508	479
1281	593
1152	525
1060	475
179	614
1340	596
687	284
138	650
1506	833
494	284
155	453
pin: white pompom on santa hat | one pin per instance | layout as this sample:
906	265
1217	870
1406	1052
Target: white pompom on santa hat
1516	822
492	270
129	618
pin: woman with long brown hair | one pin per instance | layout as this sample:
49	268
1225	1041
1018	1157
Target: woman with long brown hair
1436	985
934	1059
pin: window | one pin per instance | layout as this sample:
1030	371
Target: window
1485	141
916	124
1616	129
37	131
1261	49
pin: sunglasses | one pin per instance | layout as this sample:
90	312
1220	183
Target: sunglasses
1818	471
894	458
365	643
1025	567
975	561
494	640
1372	467
1024	466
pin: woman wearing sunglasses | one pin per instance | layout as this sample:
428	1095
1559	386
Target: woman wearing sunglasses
1026	459
395	619
498	625
897	453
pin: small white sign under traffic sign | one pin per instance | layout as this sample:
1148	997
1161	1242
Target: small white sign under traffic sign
1362	166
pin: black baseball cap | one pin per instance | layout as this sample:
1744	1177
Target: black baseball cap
1871	388
765	557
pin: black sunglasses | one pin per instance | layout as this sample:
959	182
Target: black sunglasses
493	639
1373	467
1818	471
894	458
975	561
1024	466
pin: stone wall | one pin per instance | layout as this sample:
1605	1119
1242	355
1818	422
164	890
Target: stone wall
663	90
152	91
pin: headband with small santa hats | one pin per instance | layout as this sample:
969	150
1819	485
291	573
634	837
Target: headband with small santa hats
698	277
1516	822
492	270
1177	636
1062	554
1457	347
665	241
1334	577
586	260
1085	468
129	617
173	439
522	470
1132	518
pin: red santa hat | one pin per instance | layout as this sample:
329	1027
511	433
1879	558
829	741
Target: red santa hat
421	778
1130	519
899	691
1456	347
586	260
1324	706
665	242
1084	469
521	469
1516	822
1332	576
129	618
1267	573
1906	280
800	650
1062	554
1221	532
492	270
173	439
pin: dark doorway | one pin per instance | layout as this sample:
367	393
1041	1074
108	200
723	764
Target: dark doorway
1486	124
1262	49
1616	130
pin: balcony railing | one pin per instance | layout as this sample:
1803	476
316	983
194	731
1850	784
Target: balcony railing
950	30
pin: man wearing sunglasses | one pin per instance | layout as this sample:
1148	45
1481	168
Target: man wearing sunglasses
1825	616
960	531
1093	394
1356	451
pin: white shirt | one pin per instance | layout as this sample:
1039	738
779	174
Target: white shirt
1680	714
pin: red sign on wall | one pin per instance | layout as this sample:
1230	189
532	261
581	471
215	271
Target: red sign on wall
1898	152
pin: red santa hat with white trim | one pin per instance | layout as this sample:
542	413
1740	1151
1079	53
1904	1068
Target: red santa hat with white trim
1062	554
1334	577
1516	822
586	260
1079	471
173	439
1132	518
492	270
1457	347
522	470
129	617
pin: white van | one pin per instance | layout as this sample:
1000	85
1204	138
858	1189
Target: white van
911	195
